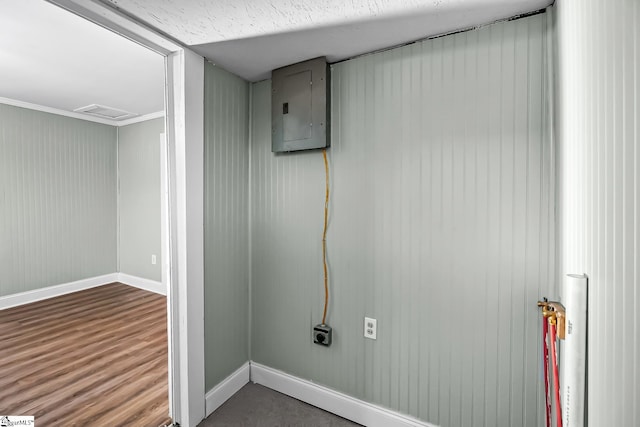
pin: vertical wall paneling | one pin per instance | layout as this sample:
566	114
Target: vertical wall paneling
598	134
57	199
226	213
441	227
139	198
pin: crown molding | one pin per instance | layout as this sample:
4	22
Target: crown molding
74	115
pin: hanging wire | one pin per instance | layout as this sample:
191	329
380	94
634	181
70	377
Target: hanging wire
324	236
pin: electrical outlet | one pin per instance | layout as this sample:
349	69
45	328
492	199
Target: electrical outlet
322	334
153	259
370	328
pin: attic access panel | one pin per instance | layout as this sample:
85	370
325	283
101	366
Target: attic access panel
299	103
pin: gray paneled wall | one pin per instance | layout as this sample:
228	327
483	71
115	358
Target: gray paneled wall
599	140
139	198
442	227
226	211
57	199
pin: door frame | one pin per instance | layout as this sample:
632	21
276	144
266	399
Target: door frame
182	209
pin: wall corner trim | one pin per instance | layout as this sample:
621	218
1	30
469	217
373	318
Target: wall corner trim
227	388
142	283
55	291
330	400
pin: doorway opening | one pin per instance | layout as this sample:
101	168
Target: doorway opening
88	188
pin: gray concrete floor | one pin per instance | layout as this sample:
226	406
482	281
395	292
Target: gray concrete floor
258	406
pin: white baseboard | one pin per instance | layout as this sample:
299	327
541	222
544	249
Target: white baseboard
55	291
338	403
227	388
139	282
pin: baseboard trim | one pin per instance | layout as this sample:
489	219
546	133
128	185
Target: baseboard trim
139	282
55	291
227	388
333	401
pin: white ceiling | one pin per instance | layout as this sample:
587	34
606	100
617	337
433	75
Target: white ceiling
252	37
53	58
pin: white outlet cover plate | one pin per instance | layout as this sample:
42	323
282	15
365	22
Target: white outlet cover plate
370	328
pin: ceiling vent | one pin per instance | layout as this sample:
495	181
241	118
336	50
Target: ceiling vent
105	112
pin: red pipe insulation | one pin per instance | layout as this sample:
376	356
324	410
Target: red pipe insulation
545	346
556	375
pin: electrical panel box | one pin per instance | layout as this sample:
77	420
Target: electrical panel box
299	106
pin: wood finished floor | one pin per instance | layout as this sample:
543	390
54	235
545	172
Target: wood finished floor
92	358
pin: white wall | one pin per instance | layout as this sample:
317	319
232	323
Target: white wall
599	135
441	227
226	220
57	199
139	199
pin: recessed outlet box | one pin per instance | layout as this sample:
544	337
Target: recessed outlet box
299	106
370	328
322	334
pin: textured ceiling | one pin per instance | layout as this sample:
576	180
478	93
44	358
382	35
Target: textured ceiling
252	37
197	22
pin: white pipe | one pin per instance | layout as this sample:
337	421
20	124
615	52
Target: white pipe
575	350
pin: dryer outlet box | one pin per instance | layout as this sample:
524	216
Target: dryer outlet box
300	106
322	334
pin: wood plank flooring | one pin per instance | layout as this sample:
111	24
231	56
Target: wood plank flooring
92	358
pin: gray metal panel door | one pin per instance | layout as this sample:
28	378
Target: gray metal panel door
299	100
296	108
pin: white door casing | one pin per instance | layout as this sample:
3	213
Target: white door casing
182	204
